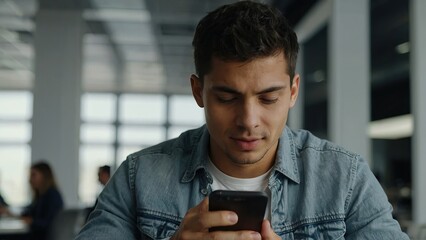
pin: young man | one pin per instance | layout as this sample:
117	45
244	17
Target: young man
245	56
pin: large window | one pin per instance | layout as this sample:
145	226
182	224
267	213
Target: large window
115	125
15	151
184	114
97	134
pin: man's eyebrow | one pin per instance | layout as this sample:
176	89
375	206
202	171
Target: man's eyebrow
233	91
225	89
270	89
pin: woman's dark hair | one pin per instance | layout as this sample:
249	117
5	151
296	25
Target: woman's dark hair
243	31
49	179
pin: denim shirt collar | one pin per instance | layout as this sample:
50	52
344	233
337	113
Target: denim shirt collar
285	163
286	159
199	155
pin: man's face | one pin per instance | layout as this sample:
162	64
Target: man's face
103	177
246	106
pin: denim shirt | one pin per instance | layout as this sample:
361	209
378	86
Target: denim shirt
319	191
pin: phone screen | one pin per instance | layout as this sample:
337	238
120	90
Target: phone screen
250	207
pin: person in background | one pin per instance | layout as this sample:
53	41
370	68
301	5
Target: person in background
3	202
245	56
47	201
104	174
3	206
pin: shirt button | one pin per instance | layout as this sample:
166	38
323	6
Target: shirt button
204	191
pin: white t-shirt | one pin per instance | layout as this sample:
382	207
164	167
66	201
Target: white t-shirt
221	181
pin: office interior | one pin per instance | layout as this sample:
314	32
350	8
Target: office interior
85	83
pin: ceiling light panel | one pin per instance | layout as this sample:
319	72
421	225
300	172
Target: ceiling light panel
16	79
140	53
91	38
122	4
16	23
20	8
99	72
131	33
16	49
140	70
117	15
96	52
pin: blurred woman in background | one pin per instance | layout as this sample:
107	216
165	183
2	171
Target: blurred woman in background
47	201
3	206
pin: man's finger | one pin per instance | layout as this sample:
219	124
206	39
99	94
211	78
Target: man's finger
217	218
204	205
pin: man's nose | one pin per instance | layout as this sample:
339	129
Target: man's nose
248	115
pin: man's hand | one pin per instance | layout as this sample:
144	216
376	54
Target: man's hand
198	220
267	232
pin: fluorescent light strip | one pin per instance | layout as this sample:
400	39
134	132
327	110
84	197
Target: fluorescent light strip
391	128
122	15
403	48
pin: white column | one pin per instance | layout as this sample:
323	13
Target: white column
349	75
57	90
418	107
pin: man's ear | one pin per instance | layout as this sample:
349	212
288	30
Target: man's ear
294	90
197	90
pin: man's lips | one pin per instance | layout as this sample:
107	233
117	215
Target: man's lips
247	144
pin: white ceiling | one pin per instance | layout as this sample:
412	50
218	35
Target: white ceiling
129	46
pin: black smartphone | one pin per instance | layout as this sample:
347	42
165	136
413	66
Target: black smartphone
250	206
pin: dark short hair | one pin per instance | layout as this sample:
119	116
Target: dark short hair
243	31
106	169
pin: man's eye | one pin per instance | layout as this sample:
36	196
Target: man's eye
226	99
269	100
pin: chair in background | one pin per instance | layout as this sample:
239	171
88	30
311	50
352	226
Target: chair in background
66	224
417	231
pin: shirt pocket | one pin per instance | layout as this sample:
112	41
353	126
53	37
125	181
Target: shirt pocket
157	225
321	230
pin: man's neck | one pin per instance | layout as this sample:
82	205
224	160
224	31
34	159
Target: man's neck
243	170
